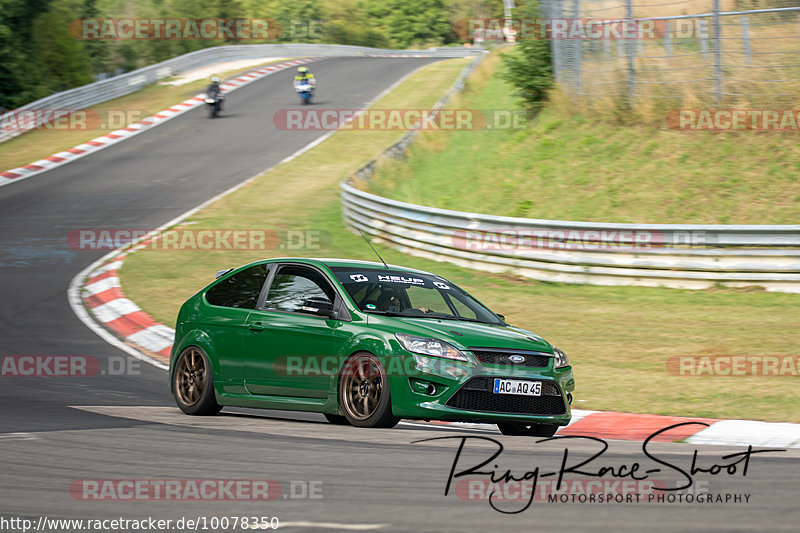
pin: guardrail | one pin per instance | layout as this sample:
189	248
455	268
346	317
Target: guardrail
683	256
675	256
94	93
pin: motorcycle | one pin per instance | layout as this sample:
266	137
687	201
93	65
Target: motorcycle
304	91
214	103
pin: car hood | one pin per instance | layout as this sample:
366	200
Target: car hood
474	334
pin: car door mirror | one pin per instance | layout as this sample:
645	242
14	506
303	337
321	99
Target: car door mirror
318	306
501	317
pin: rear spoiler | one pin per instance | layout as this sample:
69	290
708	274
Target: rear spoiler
222	273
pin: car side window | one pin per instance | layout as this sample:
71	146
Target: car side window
240	290
294	286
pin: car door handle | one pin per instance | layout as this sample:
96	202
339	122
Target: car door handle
256	326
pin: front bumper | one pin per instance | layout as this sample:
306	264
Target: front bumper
462	392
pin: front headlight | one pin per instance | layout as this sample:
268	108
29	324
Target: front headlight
561	358
429	346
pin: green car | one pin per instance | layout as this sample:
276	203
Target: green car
365	344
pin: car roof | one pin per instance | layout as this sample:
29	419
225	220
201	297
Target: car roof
346	263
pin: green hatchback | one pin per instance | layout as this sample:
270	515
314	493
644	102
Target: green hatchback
365	344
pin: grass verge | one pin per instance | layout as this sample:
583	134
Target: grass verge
567	167
39	144
619	338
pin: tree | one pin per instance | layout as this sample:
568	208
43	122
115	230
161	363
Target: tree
530	67
411	22
59	57
18	81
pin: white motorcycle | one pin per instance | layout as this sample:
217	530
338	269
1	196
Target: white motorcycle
304	90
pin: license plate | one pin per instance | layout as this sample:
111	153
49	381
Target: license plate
515	386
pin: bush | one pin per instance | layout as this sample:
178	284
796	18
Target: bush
530	68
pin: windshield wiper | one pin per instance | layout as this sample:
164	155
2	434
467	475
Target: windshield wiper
466	319
382	313
445	316
434	316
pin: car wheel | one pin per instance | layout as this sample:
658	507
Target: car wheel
364	393
193	383
530	430
338	420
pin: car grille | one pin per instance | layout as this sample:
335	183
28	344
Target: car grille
501	357
476	395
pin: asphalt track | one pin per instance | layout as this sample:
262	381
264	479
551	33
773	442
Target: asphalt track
58	430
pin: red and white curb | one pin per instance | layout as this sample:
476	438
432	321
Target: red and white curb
639	427
102	295
97	292
81	150
96	297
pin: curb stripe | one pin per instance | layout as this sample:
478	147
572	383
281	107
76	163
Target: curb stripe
93	289
636	427
98	277
132	323
154	338
62	158
750	432
104	297
114	309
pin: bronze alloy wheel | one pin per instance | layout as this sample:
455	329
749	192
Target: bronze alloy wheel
364	392
193	383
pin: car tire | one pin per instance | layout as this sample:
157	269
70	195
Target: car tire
193	383
337	420
529	430
364	394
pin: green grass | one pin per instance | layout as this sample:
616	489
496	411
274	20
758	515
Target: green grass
567	167
619	338
38	144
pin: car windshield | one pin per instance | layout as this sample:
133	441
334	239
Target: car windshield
407	294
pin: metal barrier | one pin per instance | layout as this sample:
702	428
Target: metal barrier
655	255
94	93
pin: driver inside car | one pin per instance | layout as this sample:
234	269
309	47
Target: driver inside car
390	302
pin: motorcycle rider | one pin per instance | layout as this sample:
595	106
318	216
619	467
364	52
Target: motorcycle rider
214	90
304	76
